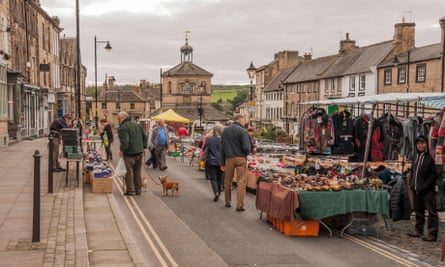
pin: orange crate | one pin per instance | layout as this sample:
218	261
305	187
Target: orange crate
301	228
269	218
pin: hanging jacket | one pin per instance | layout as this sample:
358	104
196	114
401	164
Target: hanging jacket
411	129
319	133
360	133
343	128
393	136
377	142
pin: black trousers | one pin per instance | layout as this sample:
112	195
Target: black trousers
152	159
426	200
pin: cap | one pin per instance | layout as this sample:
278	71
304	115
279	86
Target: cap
421	138
67	115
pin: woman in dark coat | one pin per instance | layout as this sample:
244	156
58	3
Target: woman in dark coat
213	161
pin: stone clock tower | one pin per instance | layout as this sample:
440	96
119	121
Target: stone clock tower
186	83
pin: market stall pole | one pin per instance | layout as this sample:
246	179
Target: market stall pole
368	143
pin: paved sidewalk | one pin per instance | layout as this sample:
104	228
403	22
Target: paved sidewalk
63	217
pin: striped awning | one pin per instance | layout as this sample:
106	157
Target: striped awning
382	98
434	103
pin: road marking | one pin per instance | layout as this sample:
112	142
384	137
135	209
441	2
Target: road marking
141	226
153	233
380	251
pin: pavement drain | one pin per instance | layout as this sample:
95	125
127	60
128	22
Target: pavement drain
25	244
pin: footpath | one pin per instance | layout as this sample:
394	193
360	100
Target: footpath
77	228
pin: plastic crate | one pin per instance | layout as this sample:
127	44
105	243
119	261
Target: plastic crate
300	228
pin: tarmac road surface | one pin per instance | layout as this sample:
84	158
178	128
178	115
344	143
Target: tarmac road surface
192	230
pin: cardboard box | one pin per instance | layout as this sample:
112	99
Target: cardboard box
251	180
87	176
101	185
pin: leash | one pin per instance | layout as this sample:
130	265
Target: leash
148	172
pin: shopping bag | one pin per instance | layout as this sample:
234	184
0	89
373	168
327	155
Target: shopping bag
120	168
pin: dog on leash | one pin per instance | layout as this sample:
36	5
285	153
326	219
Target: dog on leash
144	184
169	185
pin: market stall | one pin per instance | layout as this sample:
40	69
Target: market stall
323	186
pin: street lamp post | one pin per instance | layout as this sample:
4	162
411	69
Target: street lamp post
200	109
119	99
107	47
251	73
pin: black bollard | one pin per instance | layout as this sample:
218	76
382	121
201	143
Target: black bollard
36	202
50	162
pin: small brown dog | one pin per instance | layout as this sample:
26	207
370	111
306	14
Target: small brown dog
169	185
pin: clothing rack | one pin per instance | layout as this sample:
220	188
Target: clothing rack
375	100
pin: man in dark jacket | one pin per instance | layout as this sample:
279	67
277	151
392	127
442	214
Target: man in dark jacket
235	146
422	182
56	131
133	142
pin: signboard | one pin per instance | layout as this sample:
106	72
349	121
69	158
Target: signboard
251	103
251	109
51	98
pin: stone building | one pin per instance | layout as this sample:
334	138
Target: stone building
186	88
390	66
268	105
33	69
113	99
4	56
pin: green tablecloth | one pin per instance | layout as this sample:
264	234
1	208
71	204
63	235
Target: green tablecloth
316	205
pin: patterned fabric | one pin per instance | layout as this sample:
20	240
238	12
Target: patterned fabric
440	153
319	133
392	136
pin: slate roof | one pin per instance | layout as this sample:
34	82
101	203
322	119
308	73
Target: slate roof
186	68
275	83
125	97
372	56
311	70
344	61
417	54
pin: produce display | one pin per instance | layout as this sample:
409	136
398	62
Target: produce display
314	174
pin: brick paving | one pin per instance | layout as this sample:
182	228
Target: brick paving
428	251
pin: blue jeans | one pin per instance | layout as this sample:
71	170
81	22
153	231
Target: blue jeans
215	175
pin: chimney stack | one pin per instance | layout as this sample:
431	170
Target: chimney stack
347	45
404	36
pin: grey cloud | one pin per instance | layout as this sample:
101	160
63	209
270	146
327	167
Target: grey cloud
227	35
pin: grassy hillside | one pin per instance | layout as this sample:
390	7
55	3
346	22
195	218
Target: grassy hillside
226	92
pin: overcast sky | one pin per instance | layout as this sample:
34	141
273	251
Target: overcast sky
226	35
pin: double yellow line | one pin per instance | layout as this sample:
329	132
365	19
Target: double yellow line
380	251
152	238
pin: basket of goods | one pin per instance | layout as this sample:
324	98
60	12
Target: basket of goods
376	183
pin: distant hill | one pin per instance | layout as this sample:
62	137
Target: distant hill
226	92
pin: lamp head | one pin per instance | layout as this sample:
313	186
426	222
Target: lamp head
108	46
251	70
